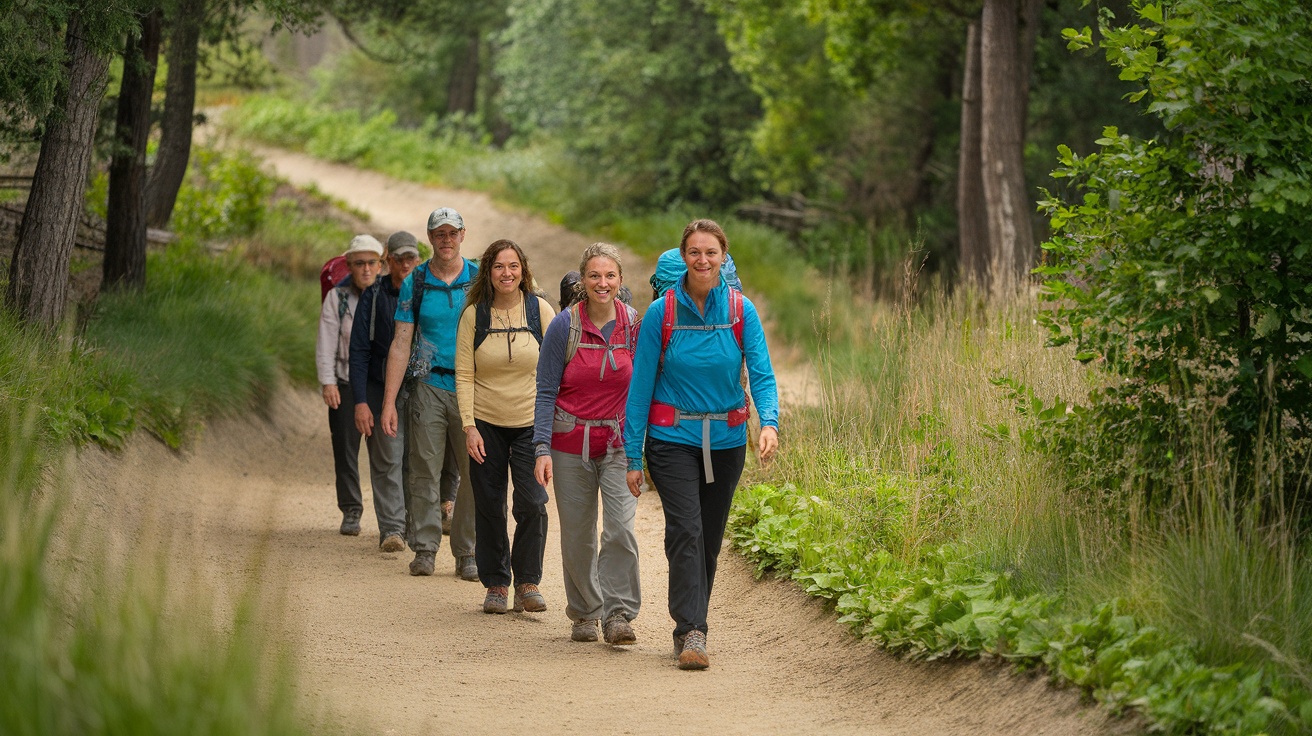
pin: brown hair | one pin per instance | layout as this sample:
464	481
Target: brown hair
704	226
481	290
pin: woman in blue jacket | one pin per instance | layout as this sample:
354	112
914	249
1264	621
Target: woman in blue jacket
687	403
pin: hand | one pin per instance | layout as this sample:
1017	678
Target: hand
388	419
634	479
331	397
364	420
542	470
474	444
767	444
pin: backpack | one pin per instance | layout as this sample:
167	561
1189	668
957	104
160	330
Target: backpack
576	329
483	320
671	316
332	273
417	367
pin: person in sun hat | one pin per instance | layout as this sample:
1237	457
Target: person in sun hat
332	362
422	356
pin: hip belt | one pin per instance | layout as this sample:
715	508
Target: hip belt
666	415
563	421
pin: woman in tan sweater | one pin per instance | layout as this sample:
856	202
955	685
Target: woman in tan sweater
497	344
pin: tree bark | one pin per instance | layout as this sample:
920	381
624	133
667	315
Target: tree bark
972	217
1004	95
462	92
175	128
125	227
38	273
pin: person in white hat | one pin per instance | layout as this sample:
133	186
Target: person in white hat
332	354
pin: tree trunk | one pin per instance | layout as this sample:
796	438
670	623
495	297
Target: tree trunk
38	274
1002	116
125	227
175	128
972	218
462	92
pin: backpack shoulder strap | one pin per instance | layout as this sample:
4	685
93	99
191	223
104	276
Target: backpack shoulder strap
630	335
372	291
736	315
482	321
342	304
533	310
420	275
575	331
667	324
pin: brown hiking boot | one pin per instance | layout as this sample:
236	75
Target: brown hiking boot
392	543
693	656
529	598
495	601
585	629
617	630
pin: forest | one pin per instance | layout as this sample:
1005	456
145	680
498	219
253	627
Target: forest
1050	258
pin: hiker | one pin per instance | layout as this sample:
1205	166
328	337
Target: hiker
422	356
583	382
687	405
371	339
670	268
497	350
332	362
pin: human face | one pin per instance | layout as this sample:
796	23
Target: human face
602	280
364	268
507	272
446	242
703	256
398	267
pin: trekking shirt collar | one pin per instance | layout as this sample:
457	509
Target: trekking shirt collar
716	298
466	273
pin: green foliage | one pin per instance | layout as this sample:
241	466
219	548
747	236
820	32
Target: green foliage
225	196
644	101
1183	264
946	604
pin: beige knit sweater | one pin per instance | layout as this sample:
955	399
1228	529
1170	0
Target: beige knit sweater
498	383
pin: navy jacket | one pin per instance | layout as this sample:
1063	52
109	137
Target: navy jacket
369	357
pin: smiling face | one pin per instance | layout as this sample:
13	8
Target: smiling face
703	255
446	240
507	272
602	280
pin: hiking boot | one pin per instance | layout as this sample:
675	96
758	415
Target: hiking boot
350	524
392	543
467	568
448	512
529	598
617	630
495	601
423	563
693	656
585	629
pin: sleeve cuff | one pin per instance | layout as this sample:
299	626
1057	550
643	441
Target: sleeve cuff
541	449
635	463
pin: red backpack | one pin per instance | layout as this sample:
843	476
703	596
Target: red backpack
332	274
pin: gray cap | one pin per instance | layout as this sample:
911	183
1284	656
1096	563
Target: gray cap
402	243
445	216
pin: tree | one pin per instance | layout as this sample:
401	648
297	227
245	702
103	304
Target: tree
124	265
178	120
973	257
1184	264
38	273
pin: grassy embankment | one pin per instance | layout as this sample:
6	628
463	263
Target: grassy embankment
120	647
923	498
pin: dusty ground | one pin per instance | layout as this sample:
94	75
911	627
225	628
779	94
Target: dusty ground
383	652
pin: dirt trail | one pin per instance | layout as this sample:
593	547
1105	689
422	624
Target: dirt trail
385	652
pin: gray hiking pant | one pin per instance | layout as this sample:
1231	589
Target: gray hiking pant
599	579
435	431
386	455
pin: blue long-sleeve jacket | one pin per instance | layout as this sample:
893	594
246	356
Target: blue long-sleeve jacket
701	374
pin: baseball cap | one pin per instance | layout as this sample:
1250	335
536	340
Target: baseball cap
401	243
364	244
445	216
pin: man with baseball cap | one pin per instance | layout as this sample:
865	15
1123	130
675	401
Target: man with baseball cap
424	345
332	361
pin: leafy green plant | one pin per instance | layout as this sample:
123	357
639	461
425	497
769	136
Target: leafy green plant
1183	264
226	195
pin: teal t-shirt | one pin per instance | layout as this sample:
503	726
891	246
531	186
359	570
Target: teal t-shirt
438	318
